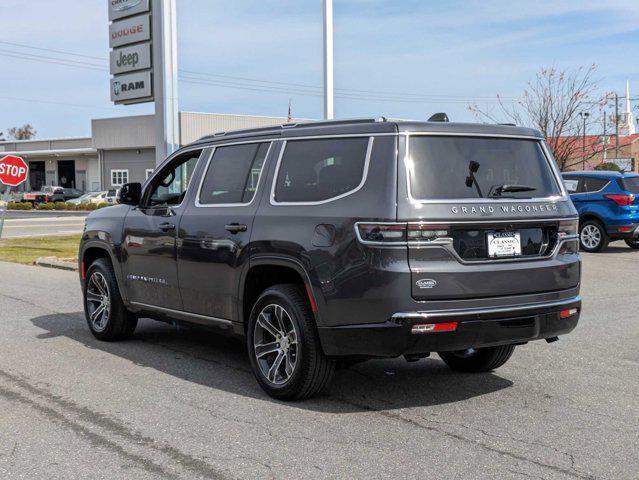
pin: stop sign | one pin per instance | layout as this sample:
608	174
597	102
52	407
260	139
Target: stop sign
13	170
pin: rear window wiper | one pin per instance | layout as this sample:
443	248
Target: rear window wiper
498	190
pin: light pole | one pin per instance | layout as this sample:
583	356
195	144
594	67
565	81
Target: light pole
585	116
328	59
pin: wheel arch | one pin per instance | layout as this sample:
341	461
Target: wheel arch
93	250
264	272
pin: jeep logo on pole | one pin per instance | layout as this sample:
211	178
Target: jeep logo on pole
131	88
130	59
126	8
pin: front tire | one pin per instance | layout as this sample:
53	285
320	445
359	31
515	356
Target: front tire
106	315
478	360
284	347
592	236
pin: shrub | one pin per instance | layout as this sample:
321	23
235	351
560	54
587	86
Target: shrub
103	204
60	206
45	206
89	206
608	166
70	206
19	206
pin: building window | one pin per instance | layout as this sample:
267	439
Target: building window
119	177
148	172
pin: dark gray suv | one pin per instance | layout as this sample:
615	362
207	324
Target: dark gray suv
343	241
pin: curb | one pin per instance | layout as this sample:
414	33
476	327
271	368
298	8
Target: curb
54	262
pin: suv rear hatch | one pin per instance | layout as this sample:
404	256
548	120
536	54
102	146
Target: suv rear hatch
484	218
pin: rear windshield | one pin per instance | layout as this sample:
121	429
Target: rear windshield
630	184
440	168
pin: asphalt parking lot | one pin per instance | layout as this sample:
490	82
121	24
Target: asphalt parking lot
183	403
42	223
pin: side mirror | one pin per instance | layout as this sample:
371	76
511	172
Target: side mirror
473	166
130	194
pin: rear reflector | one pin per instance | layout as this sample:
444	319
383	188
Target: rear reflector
626	229
568	313
434	327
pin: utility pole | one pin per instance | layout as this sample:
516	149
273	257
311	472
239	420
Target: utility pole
604	138
585	116
165	78
328	59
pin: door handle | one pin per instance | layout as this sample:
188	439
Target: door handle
235	227
167	226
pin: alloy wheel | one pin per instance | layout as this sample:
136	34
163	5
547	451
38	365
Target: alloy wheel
98	301
590	236
275	344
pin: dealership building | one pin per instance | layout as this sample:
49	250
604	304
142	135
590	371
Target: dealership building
119	150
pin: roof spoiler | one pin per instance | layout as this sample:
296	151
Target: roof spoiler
439	117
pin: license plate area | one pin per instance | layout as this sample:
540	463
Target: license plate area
503	244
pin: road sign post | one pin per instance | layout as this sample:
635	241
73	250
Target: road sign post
13	171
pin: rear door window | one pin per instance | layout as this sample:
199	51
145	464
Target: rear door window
439	168
233	174
594	184
321	169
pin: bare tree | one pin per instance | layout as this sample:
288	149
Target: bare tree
554	103
25	132
1	137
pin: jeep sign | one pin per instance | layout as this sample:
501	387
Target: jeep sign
130	59
131	88
129	30
126	8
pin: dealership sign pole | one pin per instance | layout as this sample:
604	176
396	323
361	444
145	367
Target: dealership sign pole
328	59
13	171
143	63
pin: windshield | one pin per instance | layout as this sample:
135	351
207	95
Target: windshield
472	167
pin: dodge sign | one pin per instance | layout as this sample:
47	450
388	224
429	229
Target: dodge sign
130	30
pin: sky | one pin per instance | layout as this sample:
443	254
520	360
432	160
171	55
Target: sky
400	59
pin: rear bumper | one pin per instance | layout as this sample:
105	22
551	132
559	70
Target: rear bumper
476	328
629	230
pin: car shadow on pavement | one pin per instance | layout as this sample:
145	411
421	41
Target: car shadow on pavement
217	361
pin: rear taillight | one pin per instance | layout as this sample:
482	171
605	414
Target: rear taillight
419	232
568	247
568	228
622	200
382	232
400	232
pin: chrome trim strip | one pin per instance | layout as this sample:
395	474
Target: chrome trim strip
445	201
206	169
369	150
477	311
218	321
446	243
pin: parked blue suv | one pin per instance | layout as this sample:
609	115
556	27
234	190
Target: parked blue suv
608	207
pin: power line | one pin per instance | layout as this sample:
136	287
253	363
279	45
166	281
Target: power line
254	84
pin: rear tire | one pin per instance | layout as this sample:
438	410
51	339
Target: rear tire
282	329
632	243
478	360
592	236
106	315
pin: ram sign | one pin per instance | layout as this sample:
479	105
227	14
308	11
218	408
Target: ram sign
131	88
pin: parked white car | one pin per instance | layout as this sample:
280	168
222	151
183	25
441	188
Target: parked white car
86	198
